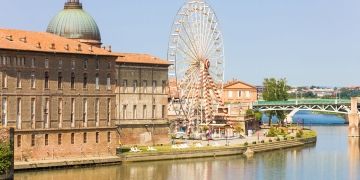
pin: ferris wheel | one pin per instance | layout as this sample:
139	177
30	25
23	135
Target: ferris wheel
197	55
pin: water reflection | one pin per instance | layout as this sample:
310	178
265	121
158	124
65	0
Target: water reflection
335	156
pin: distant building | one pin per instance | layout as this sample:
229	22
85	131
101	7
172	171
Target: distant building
238	92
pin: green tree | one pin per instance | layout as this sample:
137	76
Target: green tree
275	90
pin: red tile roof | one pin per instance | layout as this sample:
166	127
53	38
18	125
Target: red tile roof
45	42
140	59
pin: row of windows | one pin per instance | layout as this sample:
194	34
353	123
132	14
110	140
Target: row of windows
22	62
144	112
46	110
60	138
144	89
246	94
59	81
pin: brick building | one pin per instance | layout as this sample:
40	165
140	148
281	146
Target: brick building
67	97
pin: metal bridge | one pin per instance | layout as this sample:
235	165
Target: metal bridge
341	106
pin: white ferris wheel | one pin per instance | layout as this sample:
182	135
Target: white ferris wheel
197	54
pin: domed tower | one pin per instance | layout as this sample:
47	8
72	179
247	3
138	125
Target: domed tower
74	23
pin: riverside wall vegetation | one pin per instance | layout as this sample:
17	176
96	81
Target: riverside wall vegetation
6	153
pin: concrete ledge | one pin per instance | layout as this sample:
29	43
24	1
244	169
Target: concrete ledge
156	156
66	163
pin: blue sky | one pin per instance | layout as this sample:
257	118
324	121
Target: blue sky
310	42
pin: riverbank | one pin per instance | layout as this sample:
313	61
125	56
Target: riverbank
168	153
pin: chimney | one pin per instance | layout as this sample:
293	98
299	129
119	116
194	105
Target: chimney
67	47
23	39
109	48
10	38
52	46
79	47
38	45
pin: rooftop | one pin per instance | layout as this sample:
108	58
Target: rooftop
140	59
45	42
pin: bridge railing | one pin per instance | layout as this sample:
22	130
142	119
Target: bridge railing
302	101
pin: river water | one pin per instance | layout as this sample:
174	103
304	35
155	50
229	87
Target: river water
335	156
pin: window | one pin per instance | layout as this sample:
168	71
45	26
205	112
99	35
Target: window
124	111
59	80
247	94
153	111
46	63
4	79
154	86
46	139
72	80
60	112
18	141
134	112
72	138
85	81
144	84
18	79
33	140
46	80
109	65
134	86
97	137
144	112
18	114
239	93
97	64
46	112
108	111
109	137
85	118
97	105
60	64
97	81
32	112
33	62
59	139
73	64
85	64
163	107
4	112
163	90
32	83
72	114
85	138
230	94
125	86
108	81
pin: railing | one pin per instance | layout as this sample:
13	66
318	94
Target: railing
302	101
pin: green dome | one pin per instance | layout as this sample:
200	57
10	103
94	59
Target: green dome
74	23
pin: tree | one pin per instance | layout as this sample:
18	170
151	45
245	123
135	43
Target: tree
275	90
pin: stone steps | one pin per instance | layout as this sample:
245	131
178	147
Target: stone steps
275	145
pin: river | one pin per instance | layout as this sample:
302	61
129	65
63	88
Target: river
335	156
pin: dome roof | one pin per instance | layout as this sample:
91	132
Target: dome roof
74	23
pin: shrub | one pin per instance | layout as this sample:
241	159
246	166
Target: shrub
246	144
285	138
254	142
272	132
278	139
262	141
299	133
292	137
5	157
270	140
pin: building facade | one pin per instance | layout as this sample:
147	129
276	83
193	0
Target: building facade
238	92
67	97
